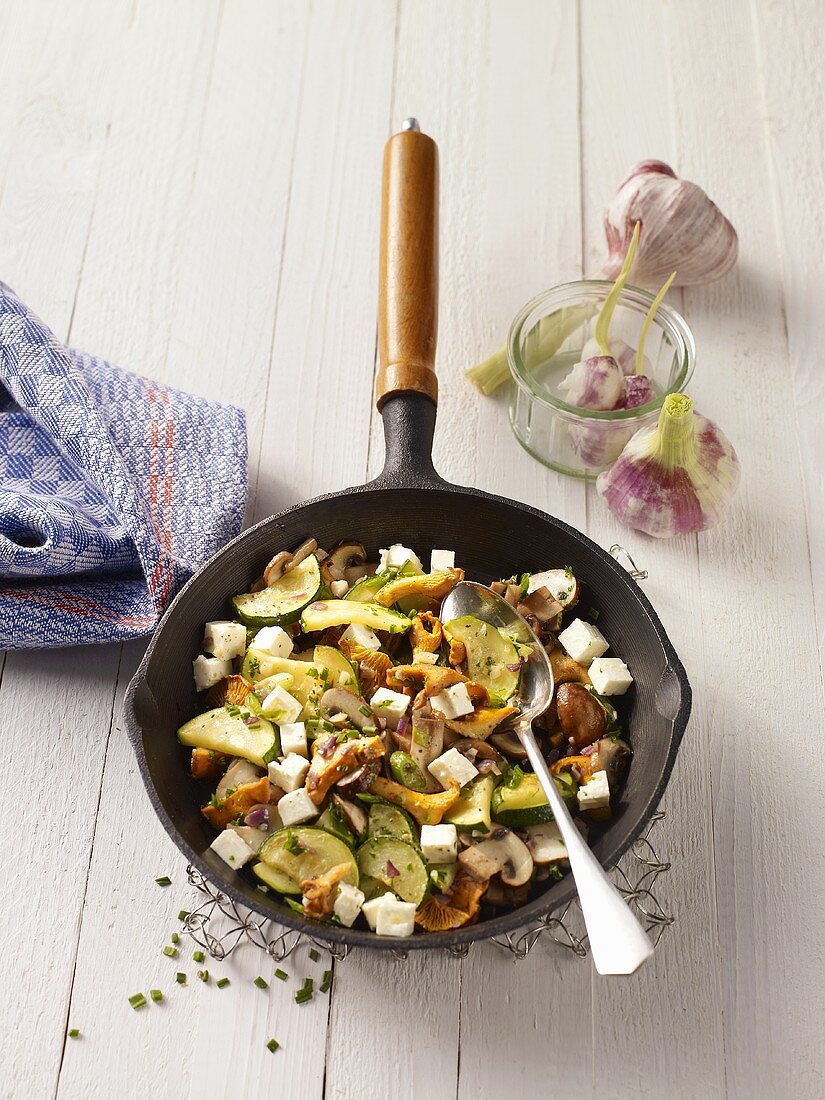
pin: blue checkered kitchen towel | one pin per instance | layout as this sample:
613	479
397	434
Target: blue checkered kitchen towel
113	490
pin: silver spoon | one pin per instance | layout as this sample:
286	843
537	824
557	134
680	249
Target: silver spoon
618	942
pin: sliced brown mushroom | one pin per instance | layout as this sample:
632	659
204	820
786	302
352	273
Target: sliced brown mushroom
542	605
506	896
346	555
426	743
565	669
612	757
509	743
238	773
283	561
358	781
503	853
580	715
347	757
352	813
338	700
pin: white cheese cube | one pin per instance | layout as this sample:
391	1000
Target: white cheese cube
293	738
361	635
232	849
289	774
224	640
422	657
297	807
442	559
273	640
346	680
559	583
280	706
452	765
439	843
595	793
395	917
583	641
347	904
339	589
453	702
397	557
389	705
545	843
610	676
209	670
370	910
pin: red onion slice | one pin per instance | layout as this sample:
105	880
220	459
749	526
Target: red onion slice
392	870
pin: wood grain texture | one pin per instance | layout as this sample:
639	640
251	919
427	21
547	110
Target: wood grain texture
193	191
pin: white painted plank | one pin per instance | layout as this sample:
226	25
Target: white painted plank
654	1034
753	571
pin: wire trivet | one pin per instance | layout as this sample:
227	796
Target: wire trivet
218	925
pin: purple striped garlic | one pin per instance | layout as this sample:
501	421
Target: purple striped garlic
673	477
594	383
682	229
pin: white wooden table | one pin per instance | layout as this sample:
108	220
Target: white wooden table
192	190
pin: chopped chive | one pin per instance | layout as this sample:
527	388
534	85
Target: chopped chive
156	995
203	975
261	983
326	981
183	914
74	1033
272	1045
170	952
175	938
222	982
370	730
593	615
313	954
301	997
198	956
281	975
164	880
180	978
365	711
137	1000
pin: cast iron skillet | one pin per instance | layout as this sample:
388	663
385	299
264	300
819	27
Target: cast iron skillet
408	503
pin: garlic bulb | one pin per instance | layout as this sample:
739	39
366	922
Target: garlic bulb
595	383
681	228
673	477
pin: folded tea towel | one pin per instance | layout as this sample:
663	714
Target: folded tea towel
113	490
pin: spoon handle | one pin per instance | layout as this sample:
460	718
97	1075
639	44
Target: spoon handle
618	942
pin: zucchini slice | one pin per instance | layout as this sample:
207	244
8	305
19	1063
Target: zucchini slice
525	804
364	590
341	672
332	821
491	657
261	667
472	811
396	865
292	855
326	613
229	735
283	602
388	820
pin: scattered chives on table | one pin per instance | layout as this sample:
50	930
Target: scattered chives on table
203	975
156	995
164	880
198	956
170	952
137	1000
272	1045
74	1033
313	954
281	975
180	978
326	981
222	982
183	914
261	983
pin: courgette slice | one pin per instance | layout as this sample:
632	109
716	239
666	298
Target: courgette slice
341	672
472	811
388	820
332	820
492	659
293	855
396	865
261	667
525	804
229	735
283	602
364	590
323	614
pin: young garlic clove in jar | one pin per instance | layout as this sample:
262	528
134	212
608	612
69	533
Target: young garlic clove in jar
673	477
594	383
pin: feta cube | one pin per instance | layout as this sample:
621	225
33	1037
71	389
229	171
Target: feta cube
339	589
224	640
280	706
560	583
347	904
361	635
595	793
545	843
583	641
273	640
610	676
439	843
293	738
209	670
232	849
297	807
389	705
289	774
422	657
452	765
397	557
442	559
453	702
346	680
370	910
395	917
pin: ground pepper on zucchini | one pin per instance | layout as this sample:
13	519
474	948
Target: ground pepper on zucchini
358	754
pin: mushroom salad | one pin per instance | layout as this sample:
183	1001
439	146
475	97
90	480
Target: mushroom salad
359	750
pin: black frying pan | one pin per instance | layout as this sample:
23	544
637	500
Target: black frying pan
409	503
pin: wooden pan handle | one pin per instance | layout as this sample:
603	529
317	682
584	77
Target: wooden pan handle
408	268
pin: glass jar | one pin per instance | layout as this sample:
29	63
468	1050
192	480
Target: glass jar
545	342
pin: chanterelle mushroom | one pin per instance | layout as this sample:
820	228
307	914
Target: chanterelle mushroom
426	632
432	679
427	809
239	801
346	757
481	723
319	892
502	853
427	587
